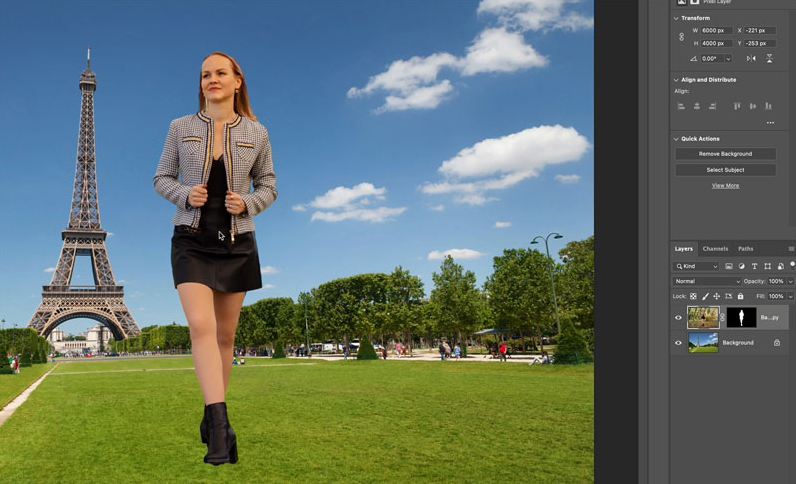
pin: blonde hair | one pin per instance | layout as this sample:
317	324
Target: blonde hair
241	102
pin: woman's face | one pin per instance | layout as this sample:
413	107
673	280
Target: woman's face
218	79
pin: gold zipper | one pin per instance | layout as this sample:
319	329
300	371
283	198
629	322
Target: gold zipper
230	176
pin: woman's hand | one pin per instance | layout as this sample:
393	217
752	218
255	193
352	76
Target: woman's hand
235	205
198	196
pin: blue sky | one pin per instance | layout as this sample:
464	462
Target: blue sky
400	131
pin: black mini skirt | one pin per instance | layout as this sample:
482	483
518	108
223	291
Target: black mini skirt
209	257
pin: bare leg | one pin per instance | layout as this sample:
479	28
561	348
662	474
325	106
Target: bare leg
197	303
227	309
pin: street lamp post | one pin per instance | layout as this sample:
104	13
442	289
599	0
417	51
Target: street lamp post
307	331
550	269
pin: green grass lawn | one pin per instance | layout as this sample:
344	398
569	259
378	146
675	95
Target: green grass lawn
704	349
342	421
13	385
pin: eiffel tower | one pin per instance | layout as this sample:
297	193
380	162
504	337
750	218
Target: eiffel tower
103	301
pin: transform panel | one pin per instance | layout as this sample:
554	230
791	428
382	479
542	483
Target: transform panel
732	241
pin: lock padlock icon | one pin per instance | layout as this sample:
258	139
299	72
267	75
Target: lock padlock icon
777	342
740	296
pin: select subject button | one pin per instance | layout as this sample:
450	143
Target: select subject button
725	169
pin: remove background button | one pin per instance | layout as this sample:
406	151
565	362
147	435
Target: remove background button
725	169
735	154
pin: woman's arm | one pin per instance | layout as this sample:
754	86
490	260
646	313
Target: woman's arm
264	180
166	179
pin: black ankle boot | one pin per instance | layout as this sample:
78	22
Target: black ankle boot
203	427
221	444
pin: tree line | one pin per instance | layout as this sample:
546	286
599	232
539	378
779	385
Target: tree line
384	308
25	342
167	338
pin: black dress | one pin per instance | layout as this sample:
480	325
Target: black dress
207	255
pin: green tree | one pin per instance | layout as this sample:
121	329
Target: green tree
366	351
304	313
145	342
404	296
338	308
167	338
247	323
572	346
455	298
269	321
519	291
4	366
575	281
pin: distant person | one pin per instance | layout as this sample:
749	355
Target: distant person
543	360
502	351
447	350
384	353
242	360
457	352
403	351
442	351
16	364
234	361
209	162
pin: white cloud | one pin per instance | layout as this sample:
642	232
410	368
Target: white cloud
528	151
49	269
421	98
406	76
110	234
536	14
455	253
437	208
473	199
414	83
268	270
568	178
475	187
355	203
502	225
381	214
342	197
299	208
269	286
120	281
516	156
498	50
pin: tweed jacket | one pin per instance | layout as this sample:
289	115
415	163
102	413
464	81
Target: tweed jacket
186	159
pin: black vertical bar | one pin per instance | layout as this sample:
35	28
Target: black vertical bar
616	241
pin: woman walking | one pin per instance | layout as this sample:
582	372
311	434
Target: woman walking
208	165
